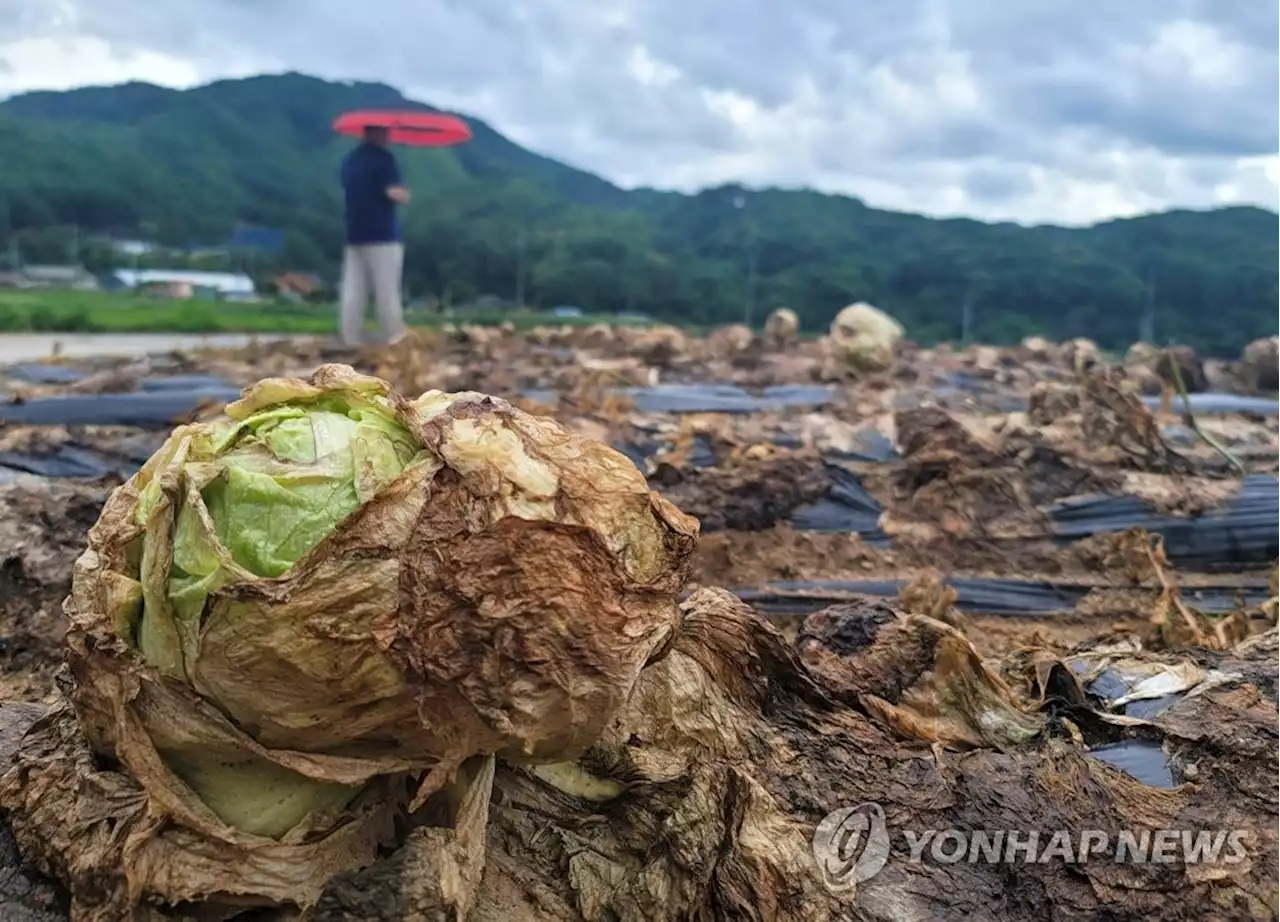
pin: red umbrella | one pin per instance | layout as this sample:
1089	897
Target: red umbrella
417	129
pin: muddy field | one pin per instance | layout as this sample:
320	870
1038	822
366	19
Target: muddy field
1030	499
1000	472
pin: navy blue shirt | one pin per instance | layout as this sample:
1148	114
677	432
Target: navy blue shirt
371	216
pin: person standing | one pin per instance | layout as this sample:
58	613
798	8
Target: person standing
374	256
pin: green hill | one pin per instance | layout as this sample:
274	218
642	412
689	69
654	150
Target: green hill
185	167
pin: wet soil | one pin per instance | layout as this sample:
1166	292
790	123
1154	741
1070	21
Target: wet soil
965	507
934	464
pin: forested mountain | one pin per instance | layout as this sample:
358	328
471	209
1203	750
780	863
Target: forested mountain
185	167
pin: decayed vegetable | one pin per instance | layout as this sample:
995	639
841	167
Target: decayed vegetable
286	610
781	328
863	338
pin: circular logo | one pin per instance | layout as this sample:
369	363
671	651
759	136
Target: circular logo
851	845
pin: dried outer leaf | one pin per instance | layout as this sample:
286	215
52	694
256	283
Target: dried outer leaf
1041	677
929	437
1049	402
919	676
1179	626
1114	415
928	595
434	875
697	833
105	837
1139	554
25	895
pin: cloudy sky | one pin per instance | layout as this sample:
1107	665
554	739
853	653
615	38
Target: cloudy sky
1031	110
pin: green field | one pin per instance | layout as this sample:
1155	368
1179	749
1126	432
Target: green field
102	312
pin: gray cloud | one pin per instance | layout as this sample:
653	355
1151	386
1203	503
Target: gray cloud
993	184
1039	110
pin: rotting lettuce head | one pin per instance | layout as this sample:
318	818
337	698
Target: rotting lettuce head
271	486
336	586
290	475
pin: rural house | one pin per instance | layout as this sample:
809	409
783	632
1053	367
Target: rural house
184	283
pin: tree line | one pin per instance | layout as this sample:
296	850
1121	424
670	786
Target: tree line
489	218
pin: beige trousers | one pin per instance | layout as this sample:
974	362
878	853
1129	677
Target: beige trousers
371	269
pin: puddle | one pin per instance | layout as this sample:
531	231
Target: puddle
1139	759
